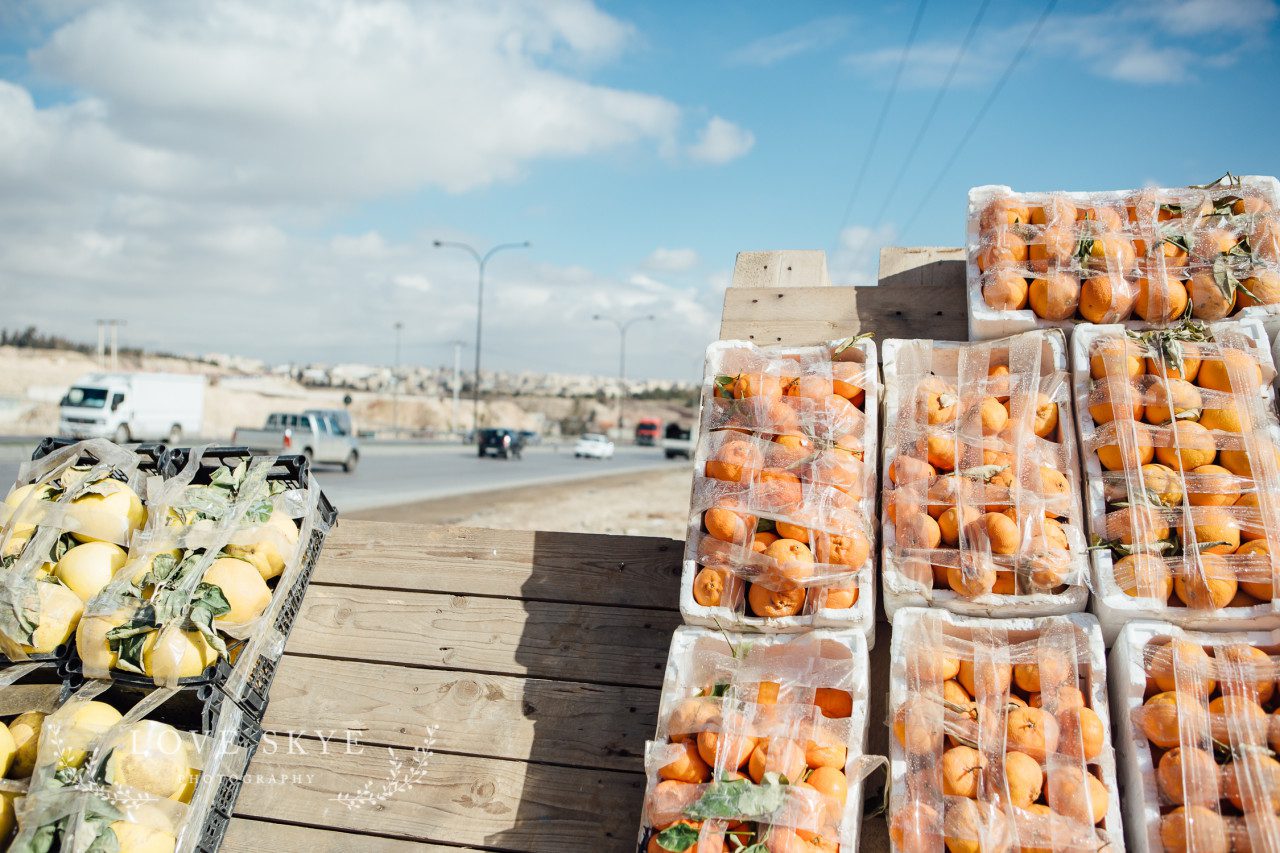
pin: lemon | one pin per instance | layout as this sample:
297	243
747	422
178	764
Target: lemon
7	812
87	568
60	610
265	554
108	517
151	757
25	729
92	645
244	589
77	726
140	838
189	787
180	654
8	750
24	523
14	546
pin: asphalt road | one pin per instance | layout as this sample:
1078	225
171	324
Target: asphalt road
403	473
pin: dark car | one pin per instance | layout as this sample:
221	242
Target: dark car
503	443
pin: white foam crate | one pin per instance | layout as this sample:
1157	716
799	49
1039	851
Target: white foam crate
678	683
898	591
1112	605
986	322
1128	690
861	615
1017	631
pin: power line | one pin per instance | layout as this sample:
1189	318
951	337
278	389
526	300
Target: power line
982	112
884	113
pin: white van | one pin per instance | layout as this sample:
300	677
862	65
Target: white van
134	407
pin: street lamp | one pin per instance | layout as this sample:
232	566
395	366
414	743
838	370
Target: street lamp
481	261
622	357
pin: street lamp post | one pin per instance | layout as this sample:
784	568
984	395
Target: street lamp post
622	357
395	387
481	262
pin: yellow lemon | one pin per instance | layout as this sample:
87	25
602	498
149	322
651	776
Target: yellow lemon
77	726
25	729
189	787
60	610
244	589
152	757
265	553
7	812
8	751
142	838
24	523
92	645
108	517
178	654
87	568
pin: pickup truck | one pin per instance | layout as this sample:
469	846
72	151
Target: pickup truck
317	435
677	442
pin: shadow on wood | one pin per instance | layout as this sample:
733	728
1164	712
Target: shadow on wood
921	294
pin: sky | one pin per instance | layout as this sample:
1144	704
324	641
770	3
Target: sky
267	178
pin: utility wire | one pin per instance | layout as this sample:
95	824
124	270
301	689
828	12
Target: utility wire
982	112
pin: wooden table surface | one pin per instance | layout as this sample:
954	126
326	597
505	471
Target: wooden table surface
538	658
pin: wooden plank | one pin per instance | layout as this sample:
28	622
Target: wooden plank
452	799
256	836
567	642
921	294
781	268
794	316
491	715
580	567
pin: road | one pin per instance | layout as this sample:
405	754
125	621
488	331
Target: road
395	474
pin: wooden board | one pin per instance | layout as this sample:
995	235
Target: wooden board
781	268
921	294
792	316
257	836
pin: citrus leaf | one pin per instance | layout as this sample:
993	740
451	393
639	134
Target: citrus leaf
678	838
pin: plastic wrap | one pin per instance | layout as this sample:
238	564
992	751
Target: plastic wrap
780	532
1000	735
1198	732
981	511
65	527
227	539
1142	257
760	740
1179	439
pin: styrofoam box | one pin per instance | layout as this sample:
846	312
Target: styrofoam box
986	322
899	591
1114	606
678	684
1128	689
1017	631
861	615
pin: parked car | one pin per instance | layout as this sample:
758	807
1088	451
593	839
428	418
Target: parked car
593	446
316	435
133	407
501	442
677	442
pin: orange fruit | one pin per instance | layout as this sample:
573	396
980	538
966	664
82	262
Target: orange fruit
1001	248
687	766
1056	209
773	604
918	532
1255	578
736	460
833	702
1002	212
1195	446
851	549
1053	248
1078	794
1114	458
1055	296
1115	356
1192	659
729	526
1217	525
1188	775
1112	251
1158	719
778	489
1215	373
1252	783
1162	302
999	675
1251	661
825	754
1193	828
831	783
1005	290
1211	242
708	587
915	827
1031	730
1237	720
1106	298
1208	301
736	748
792	560
995	532
1085	724
1023	778
1103	409
1144	575
1212	485
1210	588
908	469
1177	396
949	523
962	770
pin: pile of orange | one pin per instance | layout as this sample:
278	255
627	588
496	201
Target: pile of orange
1211	718
1001	749
1187	518
1149	255
981	487
787	737
782	502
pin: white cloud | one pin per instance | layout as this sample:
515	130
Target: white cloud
671	260
777	47
721	141
720	280
412	281
857	257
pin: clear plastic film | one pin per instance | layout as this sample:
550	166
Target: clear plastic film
999	735
109	773
760	738
223	545
784	487
1148	256
1179	436
980	505
1201	707
64	528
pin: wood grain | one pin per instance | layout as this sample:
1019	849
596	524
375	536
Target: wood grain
921	294
457	800
256	836
564	642
580	567
781	268
792	316
490	715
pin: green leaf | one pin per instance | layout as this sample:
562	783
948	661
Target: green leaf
720	689
61	546
1224	277
1084	249
678	838
45	839
127	640
739	799
162	568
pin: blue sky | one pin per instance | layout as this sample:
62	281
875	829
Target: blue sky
233	161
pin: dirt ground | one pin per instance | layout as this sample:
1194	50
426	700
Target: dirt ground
645	503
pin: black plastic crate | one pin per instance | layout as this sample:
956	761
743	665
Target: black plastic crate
152	453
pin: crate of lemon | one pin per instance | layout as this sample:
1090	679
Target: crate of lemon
780	529
113	768
1179	438
65	529
213	583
